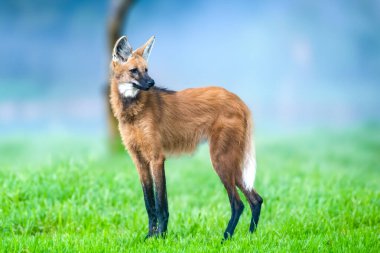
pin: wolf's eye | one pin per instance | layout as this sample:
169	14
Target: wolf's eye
146	70
134	71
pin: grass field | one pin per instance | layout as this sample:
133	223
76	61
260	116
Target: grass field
321	193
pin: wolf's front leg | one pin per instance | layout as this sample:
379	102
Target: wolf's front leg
147	186
158	173
150	207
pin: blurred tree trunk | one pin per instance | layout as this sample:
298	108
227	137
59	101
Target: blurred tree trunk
118	14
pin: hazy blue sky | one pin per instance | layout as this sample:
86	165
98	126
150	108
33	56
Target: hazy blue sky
294	62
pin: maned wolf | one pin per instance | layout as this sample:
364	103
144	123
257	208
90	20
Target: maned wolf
156	122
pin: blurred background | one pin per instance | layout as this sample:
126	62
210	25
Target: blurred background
297	64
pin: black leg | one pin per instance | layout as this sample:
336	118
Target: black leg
237	208
162	211
256	209
255	202
147	186
150	208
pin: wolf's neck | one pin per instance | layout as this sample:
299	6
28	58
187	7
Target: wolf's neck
125	108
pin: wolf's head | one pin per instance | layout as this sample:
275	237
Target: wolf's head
130	68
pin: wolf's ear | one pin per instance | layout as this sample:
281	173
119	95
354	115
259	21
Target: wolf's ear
122	50
145	50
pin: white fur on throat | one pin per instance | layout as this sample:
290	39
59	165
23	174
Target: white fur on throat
249	168
127	90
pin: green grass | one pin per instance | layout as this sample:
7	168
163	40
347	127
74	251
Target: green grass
321	192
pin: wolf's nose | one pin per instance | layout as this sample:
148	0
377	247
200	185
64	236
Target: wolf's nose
151	82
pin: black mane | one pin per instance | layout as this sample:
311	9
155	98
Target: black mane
162	89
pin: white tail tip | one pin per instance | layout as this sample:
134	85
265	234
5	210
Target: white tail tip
249	171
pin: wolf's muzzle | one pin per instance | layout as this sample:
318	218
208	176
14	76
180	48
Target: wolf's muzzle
145	86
